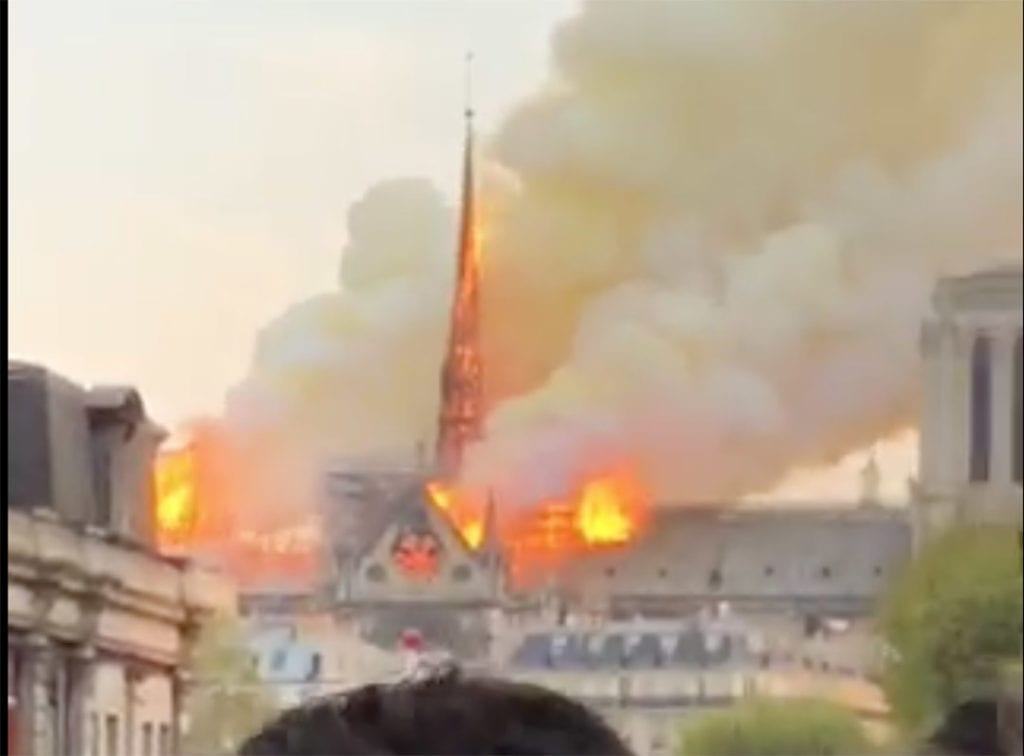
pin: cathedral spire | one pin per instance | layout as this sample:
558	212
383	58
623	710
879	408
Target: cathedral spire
460	419
469	88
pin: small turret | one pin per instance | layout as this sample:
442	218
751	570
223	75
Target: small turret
490	545
870	479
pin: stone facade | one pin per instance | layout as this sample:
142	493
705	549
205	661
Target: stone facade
971	435
98	623
644	676
802	582
785	575
833	559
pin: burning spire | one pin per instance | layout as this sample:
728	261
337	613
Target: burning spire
461	414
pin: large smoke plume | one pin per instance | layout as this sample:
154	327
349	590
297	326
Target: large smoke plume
709	244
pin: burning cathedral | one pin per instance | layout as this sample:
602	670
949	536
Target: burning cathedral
402	561
646	610
406	557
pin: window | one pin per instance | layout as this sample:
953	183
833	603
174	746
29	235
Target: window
113	735
981	410
164	741
418	554
94	734
715	579
278	659
58	700
101	464
147	739
315	666
1017	445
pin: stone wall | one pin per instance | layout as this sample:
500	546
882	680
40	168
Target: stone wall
967	472
98	631
827	559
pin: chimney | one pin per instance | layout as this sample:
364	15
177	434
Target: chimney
123	444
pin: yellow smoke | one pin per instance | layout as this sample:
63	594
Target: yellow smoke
721	229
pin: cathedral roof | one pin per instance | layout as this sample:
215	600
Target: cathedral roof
412	508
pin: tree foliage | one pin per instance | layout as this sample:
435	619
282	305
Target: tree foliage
776	727
226	700
950	621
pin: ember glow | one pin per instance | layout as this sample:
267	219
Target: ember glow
609	511
466	515
604	514
462	411
175	498
211	504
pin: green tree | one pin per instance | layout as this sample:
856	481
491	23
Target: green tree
776	727
226	699
950	621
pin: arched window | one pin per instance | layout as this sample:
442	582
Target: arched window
981	410
1017	446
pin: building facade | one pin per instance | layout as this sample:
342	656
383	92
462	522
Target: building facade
971	425
645	676
99	624
627	629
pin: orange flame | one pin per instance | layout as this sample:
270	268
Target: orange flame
608	512
604	515
175	498
212	503
464	514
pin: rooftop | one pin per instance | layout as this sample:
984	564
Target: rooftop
691	647
999	288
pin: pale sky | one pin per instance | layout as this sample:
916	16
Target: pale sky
180	171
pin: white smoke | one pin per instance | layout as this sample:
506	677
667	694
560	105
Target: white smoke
724	229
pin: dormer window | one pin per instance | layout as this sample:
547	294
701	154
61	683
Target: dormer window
417	553
715	579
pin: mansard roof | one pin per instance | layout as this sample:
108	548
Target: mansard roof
992	289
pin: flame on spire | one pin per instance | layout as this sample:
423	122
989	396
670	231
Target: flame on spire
461	414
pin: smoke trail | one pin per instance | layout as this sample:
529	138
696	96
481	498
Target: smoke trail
724	225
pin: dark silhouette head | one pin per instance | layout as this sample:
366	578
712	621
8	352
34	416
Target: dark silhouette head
970	728
446	714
